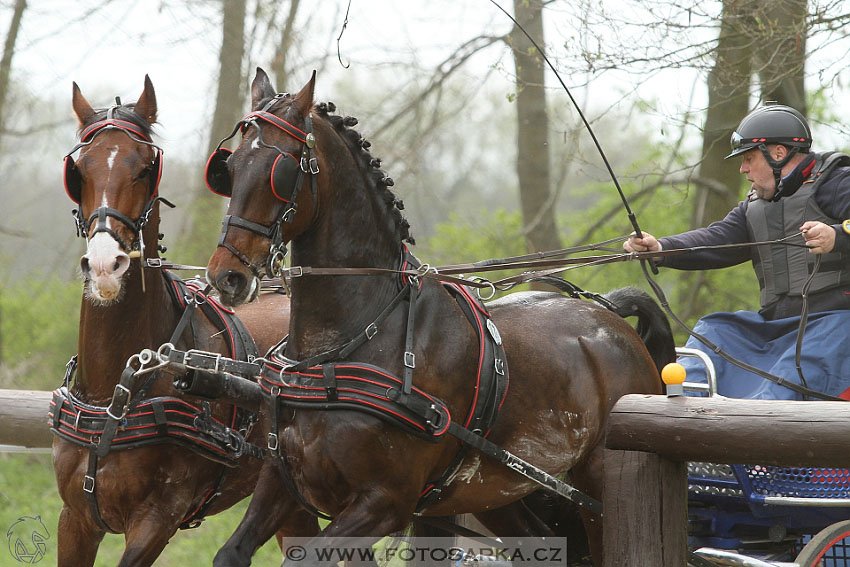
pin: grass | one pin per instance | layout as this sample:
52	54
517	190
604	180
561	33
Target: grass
28	489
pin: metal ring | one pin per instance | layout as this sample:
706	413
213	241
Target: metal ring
492	290
146	356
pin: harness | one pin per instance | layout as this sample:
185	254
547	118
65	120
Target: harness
129	423
322	383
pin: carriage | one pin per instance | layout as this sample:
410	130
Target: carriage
759	515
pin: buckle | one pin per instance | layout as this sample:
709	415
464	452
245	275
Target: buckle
153	262
295	272
500	367
116	402
409	359
88	484
438	421
273	442
371	331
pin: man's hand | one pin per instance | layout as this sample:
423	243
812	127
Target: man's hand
646	244
820	237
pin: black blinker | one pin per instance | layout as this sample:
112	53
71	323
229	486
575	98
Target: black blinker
217	175
73	180
284	176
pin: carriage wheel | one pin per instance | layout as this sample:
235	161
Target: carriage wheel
831	546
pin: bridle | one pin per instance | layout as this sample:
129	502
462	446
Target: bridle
287	170
73	184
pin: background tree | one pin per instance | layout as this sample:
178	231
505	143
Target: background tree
532	157
8	53
206	207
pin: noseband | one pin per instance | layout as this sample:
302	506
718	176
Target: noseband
284	166
73	184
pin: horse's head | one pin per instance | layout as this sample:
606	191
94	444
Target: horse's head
272	178
114	181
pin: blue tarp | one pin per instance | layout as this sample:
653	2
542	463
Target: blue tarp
771	346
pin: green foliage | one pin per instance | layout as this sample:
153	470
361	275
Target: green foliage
28	488
39	322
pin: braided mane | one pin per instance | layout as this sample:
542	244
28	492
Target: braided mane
359	148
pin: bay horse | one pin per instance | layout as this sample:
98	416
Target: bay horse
147	485
302	176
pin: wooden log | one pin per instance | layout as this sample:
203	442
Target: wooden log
645	510
727	430
23	418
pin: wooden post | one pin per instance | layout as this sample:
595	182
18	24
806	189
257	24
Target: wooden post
645	510
23	418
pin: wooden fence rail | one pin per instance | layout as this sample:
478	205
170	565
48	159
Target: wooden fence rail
651	438
23	419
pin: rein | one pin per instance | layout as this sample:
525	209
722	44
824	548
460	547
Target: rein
539	260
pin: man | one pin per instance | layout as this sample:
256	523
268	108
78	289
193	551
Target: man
792	190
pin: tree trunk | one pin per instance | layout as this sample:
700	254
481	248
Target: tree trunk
533	167
728	102
281	73
206	208
8	52
781	52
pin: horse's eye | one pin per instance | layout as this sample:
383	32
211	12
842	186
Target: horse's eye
145	172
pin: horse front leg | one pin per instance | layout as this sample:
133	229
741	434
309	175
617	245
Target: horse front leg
78	540
272	510
368	518
145	539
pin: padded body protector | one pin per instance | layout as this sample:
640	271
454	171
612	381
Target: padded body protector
784	270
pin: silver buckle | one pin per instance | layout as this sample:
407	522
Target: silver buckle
123	408
295	272
273	442
371	331
409	359
88	484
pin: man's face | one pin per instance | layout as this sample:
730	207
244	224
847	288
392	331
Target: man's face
758	172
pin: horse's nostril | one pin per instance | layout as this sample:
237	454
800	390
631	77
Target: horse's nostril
84	265
231	282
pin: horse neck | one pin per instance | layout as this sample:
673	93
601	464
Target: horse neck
327	310
110	335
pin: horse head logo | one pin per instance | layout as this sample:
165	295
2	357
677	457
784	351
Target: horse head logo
27	539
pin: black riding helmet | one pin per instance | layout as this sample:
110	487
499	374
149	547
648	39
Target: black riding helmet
772	124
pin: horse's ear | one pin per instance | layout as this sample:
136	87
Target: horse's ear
81	106
304	98
261	89
146	105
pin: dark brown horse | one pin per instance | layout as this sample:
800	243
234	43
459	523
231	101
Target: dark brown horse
142	489
302	176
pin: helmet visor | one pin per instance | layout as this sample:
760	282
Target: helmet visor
737	141
740	145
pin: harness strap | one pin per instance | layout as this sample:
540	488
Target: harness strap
91	493
526	469
121	401
342	351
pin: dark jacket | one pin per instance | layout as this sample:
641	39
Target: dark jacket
832	197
